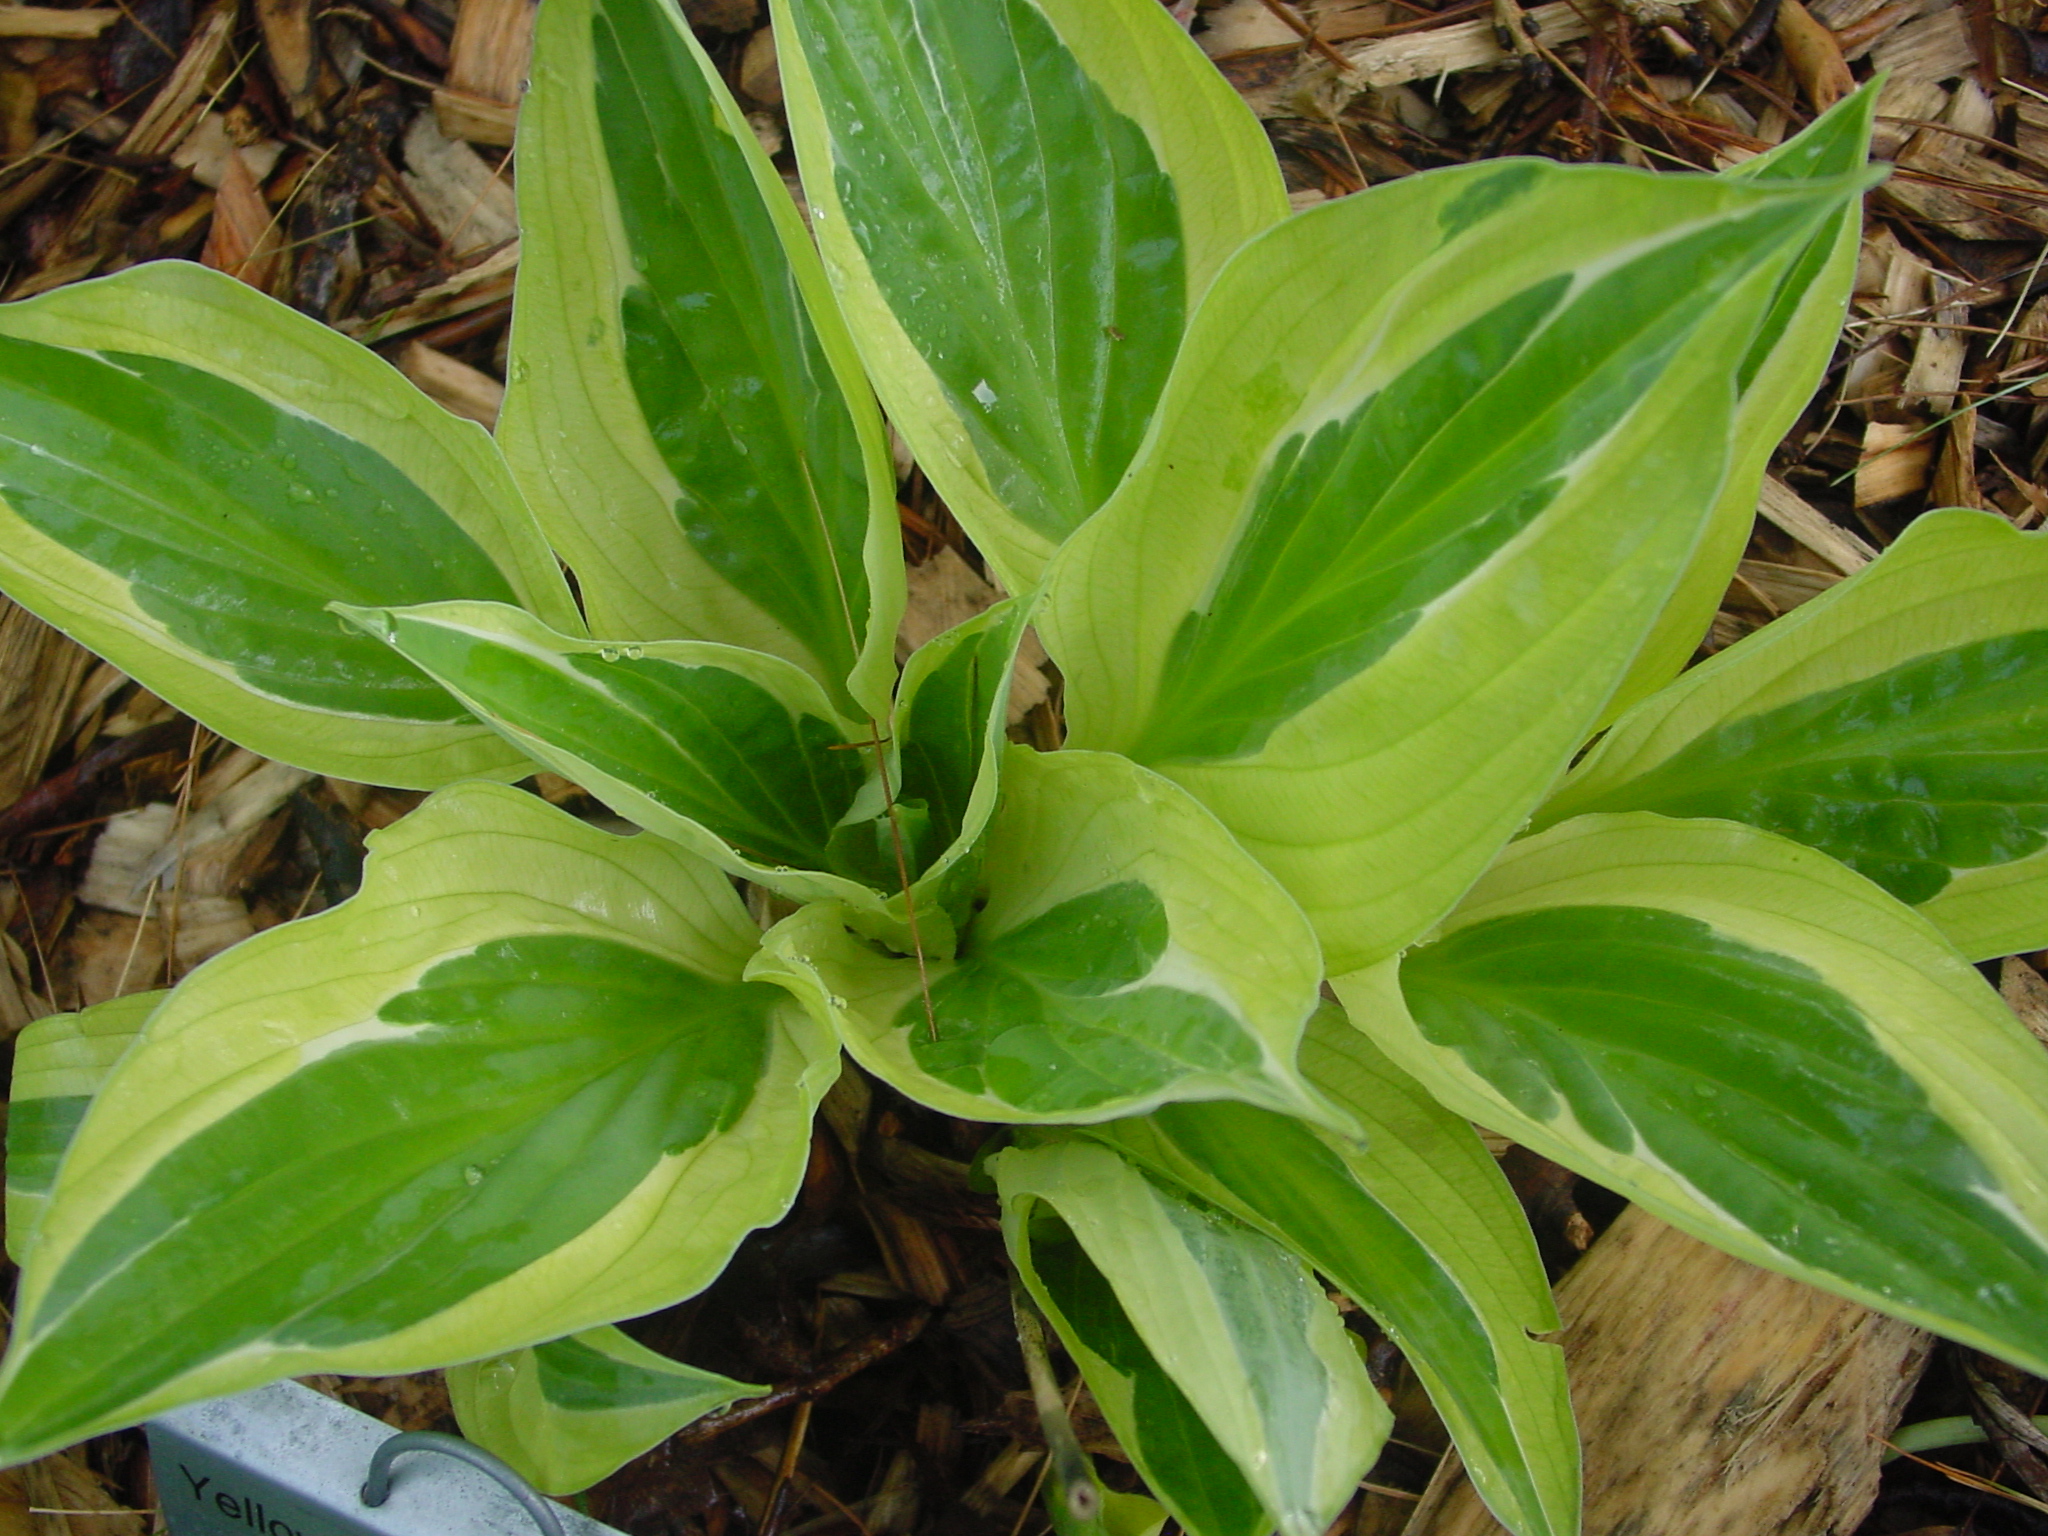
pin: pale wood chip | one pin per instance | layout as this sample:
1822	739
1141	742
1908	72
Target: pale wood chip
1307	83
469	204
1781	588
555	789
1971	109
209	146
112	954
760	73
1910	100
939	594
487	63
2030	128
243	240
138	711
176	106
1938	352
143	853
2026	994
1865	33
1968	196
1897	460
1935	46
65	1482
490	50
485	282
1459	46
1337	21
292	53
1840	15
116	877
204	926
40	675
1787	510
452	384
945	591
47	21
1244	26
475	118
19	1004
1955	466
1714	1398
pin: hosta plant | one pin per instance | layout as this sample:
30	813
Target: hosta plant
1346	529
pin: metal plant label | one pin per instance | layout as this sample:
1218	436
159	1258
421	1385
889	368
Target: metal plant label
285	1461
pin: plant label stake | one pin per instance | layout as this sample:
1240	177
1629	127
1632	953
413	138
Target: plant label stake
285	1461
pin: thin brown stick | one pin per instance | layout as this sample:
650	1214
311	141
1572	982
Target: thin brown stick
1308	34
1970	1479
135	944
849	1362
782	1494
35	939
54	794
171	907
924	979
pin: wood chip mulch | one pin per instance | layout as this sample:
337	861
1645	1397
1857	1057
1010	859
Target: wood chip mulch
354	160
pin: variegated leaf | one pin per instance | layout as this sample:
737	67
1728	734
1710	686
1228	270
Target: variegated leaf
1126	954
514	1088
190	473
739	755
1756	1044
1202	1341
735	754
952	707
1417	1226
685	409
1020	202
570	1412
1786	360
1429	464
59	1064
1898	722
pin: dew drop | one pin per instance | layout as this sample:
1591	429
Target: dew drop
608	653
836	1003
631	652
472	1175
